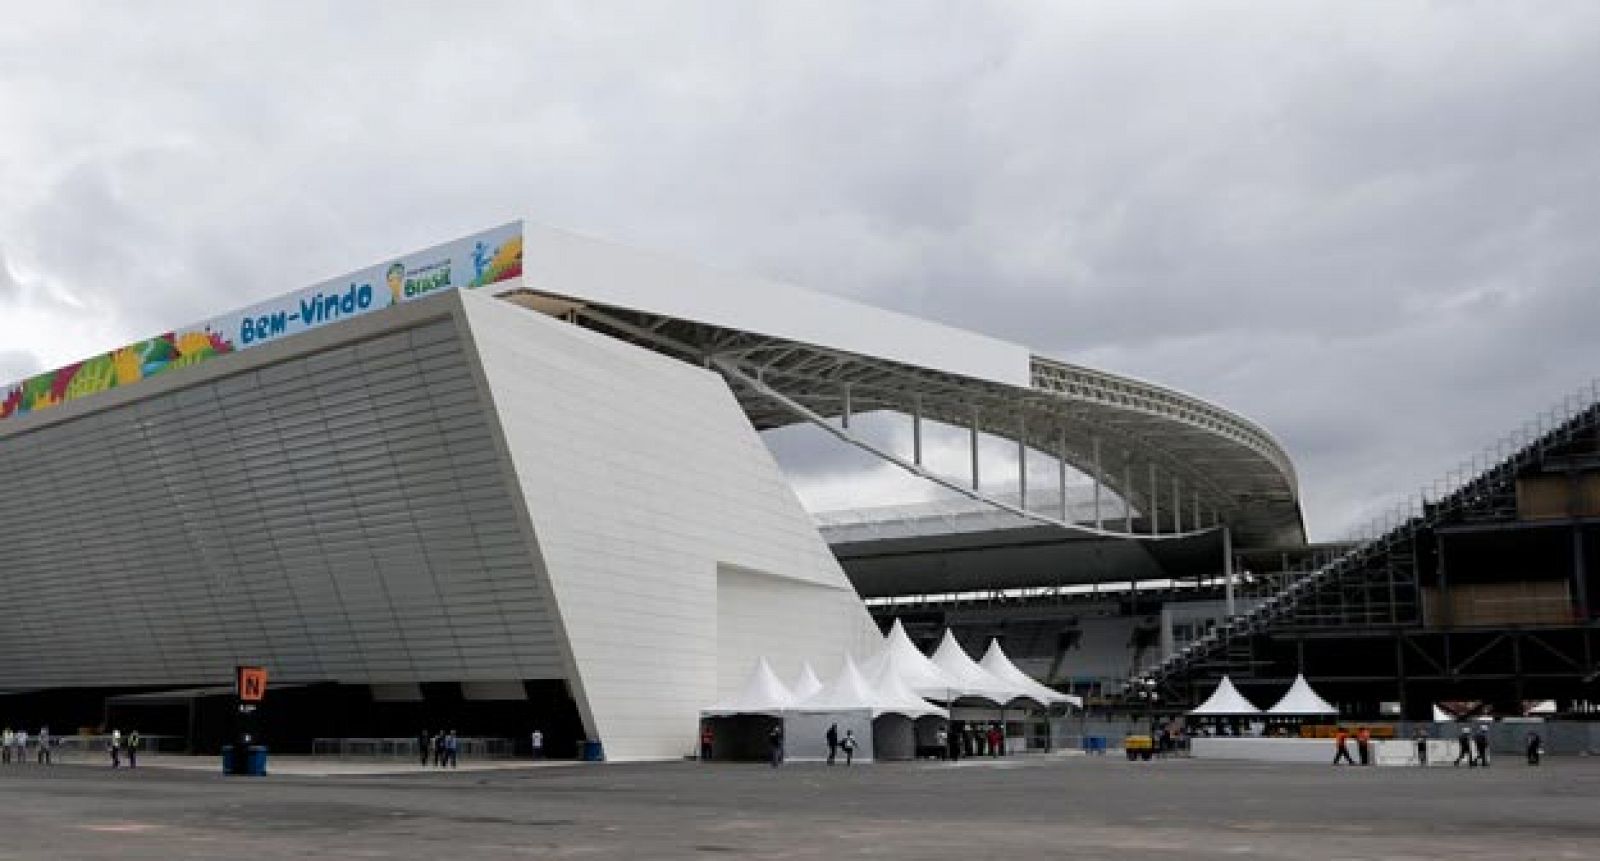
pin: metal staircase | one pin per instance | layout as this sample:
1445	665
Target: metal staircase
1375	582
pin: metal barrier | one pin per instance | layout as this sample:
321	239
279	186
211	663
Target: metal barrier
409	748
80	748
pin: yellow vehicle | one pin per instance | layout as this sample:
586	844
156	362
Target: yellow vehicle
1139	747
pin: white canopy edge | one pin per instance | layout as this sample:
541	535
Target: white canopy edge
850	691
1302	700
1225	701
806	684
920	674
1000	666
974	680
762	694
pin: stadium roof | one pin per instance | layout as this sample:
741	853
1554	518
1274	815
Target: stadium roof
783	348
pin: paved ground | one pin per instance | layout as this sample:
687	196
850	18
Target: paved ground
1015	808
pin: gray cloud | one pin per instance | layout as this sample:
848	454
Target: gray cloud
1366	225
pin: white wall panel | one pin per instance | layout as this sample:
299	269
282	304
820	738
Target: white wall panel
642	479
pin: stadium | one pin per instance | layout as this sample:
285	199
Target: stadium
519	480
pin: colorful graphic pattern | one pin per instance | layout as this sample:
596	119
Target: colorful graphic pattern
476	261
121	367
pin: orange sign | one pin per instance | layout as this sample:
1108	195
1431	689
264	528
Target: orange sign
252	684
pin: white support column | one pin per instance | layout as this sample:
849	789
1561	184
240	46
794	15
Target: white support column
1127	494
1227	570
1177	505
1095	450
1155	503
916	430
974	438
1061	471
845	416
1196	510
1022	463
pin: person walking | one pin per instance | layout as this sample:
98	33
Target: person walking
775	743
1341	742
537	742
114	745
1364	745
1535	748
438	749
943	738
20	755
132	741
1421	739
832	738
44	745
423	743
5	745
849	745
995	739
452	746
1480	741
1465	742
708	740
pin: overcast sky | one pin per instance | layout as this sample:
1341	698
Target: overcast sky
1371	227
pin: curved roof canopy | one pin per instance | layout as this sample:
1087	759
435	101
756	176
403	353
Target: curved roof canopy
831	357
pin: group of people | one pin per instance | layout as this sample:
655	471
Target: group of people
14	745
119	745
442	747
836	744
974	739
1472	747
1341	741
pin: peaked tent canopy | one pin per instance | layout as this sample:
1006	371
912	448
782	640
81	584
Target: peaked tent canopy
920	674
1225	701
901	699
1302	700
762	694
974	680
849	691
999	665
807	684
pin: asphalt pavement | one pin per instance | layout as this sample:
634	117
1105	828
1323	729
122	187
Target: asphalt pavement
1020	807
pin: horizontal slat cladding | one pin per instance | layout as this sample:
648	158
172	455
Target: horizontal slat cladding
342	515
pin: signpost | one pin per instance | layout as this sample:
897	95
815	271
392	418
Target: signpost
250	688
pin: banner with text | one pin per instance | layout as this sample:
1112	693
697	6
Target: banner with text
484	258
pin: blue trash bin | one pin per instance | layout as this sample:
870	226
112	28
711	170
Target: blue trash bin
255	763
1094	744
258	760
592	752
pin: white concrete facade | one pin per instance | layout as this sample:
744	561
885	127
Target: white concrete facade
674	550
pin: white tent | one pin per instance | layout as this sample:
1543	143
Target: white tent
893	689
1225	701
849	691
1302	700
807	684
1000	666
762	694
974	680
1440	715
920	674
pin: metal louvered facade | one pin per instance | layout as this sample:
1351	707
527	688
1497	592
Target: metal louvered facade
342	514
